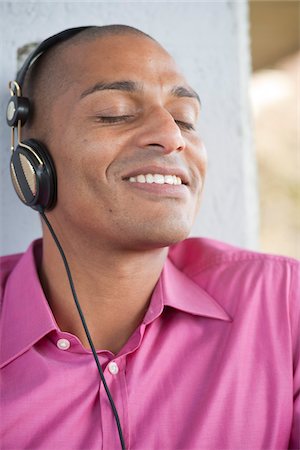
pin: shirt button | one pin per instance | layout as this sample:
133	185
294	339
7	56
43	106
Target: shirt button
63	344
113	368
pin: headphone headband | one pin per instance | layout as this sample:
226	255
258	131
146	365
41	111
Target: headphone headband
44	46
18	106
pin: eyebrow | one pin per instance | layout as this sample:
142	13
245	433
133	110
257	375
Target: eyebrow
123	85
133	86
181	91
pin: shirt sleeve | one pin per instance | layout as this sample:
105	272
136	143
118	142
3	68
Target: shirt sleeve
295	327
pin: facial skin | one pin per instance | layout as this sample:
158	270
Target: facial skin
116	233
99	138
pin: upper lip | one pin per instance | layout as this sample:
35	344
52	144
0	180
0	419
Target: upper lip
179	172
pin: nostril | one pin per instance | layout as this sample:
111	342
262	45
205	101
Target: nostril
167	146
156	145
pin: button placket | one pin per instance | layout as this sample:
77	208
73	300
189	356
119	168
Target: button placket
115	378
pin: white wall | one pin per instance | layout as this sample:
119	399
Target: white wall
209	40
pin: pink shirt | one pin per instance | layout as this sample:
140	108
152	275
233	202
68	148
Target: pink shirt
214	365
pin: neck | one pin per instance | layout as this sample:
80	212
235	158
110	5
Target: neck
113	287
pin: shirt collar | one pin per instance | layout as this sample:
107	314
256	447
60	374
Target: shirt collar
177	290
26	314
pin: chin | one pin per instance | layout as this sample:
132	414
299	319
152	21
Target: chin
160	236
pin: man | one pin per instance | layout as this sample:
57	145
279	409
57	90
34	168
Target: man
197	339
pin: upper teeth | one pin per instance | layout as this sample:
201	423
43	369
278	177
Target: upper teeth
156	178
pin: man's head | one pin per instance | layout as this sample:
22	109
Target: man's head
112	108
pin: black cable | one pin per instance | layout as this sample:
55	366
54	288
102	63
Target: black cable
85	327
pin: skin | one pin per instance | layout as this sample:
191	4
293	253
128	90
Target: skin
115	234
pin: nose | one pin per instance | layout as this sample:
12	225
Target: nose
161	130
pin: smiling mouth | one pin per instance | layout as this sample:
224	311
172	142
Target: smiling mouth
156	179
158	186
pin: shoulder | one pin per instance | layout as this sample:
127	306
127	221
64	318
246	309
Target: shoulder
18	265
239	276
247	284
7	265
241	279
196	255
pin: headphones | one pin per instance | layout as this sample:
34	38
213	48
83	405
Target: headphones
31	166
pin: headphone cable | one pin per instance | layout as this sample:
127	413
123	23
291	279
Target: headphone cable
115	412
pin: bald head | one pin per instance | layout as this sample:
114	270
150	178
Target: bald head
49	76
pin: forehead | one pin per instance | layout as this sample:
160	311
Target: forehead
121	57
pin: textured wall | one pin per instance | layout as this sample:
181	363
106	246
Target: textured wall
209	40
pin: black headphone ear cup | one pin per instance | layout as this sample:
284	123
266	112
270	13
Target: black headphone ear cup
33	175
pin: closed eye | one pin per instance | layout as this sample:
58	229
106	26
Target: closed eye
127	117
114	119
185	125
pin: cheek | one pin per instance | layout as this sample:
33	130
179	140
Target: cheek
99	150
198	160
79	171
93	158
202	160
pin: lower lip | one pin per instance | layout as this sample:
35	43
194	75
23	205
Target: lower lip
164	190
